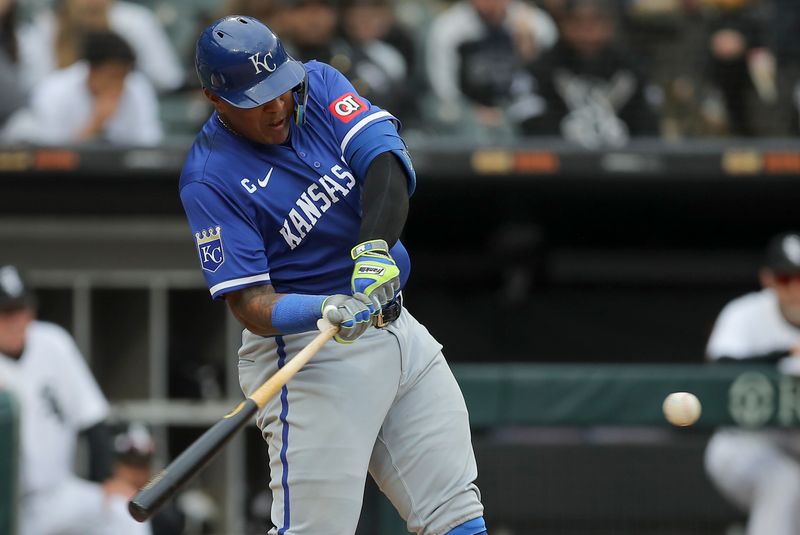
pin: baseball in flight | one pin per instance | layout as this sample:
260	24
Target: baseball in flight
682	408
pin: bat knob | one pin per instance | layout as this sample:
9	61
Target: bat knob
323	324
137	511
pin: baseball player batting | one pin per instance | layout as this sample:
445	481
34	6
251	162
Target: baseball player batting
296	191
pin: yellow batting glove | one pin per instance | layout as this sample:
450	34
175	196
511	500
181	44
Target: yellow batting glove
375	273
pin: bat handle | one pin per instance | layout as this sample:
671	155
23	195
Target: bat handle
273	385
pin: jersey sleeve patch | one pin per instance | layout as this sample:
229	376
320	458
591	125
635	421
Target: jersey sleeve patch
209	247
347	107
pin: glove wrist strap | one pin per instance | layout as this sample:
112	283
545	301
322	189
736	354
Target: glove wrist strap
372	246
297	313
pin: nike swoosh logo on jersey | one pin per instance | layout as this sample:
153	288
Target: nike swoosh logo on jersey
263	181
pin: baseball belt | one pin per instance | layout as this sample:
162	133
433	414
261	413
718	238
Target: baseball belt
389	313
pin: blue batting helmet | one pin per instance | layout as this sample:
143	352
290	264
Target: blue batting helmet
245	64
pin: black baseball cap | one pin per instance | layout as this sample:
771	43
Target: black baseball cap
134	445
783	254
14	294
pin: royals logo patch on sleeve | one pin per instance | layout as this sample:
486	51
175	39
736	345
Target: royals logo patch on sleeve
209	247
347	107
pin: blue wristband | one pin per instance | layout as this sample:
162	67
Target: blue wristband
297	313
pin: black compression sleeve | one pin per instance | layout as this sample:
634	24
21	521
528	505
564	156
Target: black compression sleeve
384	200
98	439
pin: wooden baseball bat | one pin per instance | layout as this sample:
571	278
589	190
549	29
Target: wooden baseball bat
166	483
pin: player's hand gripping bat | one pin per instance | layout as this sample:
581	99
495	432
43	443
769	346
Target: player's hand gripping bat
167	482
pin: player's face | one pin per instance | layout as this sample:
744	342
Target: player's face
13	326
494	11
367	22
137	476
107	78
588	31
313	22
787	289
89	14
267	124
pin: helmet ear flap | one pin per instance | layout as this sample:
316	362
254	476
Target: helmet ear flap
301	99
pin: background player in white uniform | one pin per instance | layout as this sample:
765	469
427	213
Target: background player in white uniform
58	398
760	470
289	217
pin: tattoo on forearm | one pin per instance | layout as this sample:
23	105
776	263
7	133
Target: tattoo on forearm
253	307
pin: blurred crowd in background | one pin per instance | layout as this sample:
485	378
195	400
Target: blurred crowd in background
593	72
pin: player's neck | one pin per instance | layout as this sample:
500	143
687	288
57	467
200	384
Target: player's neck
225	125
288	141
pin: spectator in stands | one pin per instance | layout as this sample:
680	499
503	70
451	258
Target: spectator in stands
475	56
785	30
349	40
667	37
381	23
270	12
98	99
312	30
759	471
53	40
591	91
13	97
742	67
378	70
58	397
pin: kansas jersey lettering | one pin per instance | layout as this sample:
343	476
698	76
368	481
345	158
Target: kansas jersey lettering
314	202
283	214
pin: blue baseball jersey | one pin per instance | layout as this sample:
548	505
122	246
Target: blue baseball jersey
288	214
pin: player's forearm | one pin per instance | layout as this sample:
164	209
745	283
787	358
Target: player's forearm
91	130
267	313
253	308
384	200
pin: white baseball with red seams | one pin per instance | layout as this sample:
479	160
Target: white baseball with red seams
682	408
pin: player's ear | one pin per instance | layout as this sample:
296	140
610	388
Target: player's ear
767	278
217	102
214	99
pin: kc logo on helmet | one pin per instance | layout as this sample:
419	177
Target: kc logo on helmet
209	247
347	107
269	67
